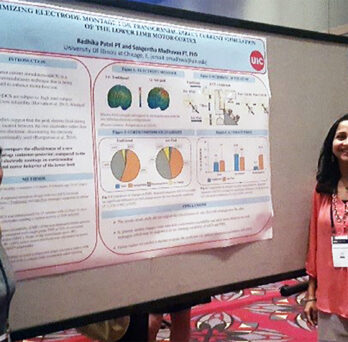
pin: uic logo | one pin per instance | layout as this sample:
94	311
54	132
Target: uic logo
256	60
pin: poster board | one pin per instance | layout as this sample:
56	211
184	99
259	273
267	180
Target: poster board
129	139
300	115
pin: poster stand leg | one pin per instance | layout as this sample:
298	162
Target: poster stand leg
138	328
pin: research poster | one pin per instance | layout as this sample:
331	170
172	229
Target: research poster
126	139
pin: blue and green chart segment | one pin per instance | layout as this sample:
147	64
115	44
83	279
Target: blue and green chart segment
120	96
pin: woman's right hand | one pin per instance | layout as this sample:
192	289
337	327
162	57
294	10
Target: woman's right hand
311	313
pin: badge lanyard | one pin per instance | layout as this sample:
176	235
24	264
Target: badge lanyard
339	243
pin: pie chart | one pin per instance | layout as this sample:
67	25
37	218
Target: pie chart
169	162
125	165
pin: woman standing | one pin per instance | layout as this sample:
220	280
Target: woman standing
327	259
6	284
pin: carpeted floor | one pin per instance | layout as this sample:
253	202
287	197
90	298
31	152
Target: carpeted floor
256	314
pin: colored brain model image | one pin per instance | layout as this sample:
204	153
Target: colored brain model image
158	98
119	96
125	165
169	162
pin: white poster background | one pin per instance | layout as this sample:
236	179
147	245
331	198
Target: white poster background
116	149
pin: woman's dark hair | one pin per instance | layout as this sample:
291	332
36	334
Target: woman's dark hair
328	173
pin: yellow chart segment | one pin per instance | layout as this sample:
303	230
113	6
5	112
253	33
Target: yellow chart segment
125	165
169	162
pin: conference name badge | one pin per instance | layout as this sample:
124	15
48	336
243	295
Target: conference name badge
339	246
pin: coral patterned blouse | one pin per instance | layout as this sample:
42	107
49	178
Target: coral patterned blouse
332	283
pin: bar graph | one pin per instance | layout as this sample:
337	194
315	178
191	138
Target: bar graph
232	159
216	167
219	166
238	163
239	160
242	163
222	166
261	167
259	164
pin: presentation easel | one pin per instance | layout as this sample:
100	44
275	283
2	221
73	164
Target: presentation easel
308	81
